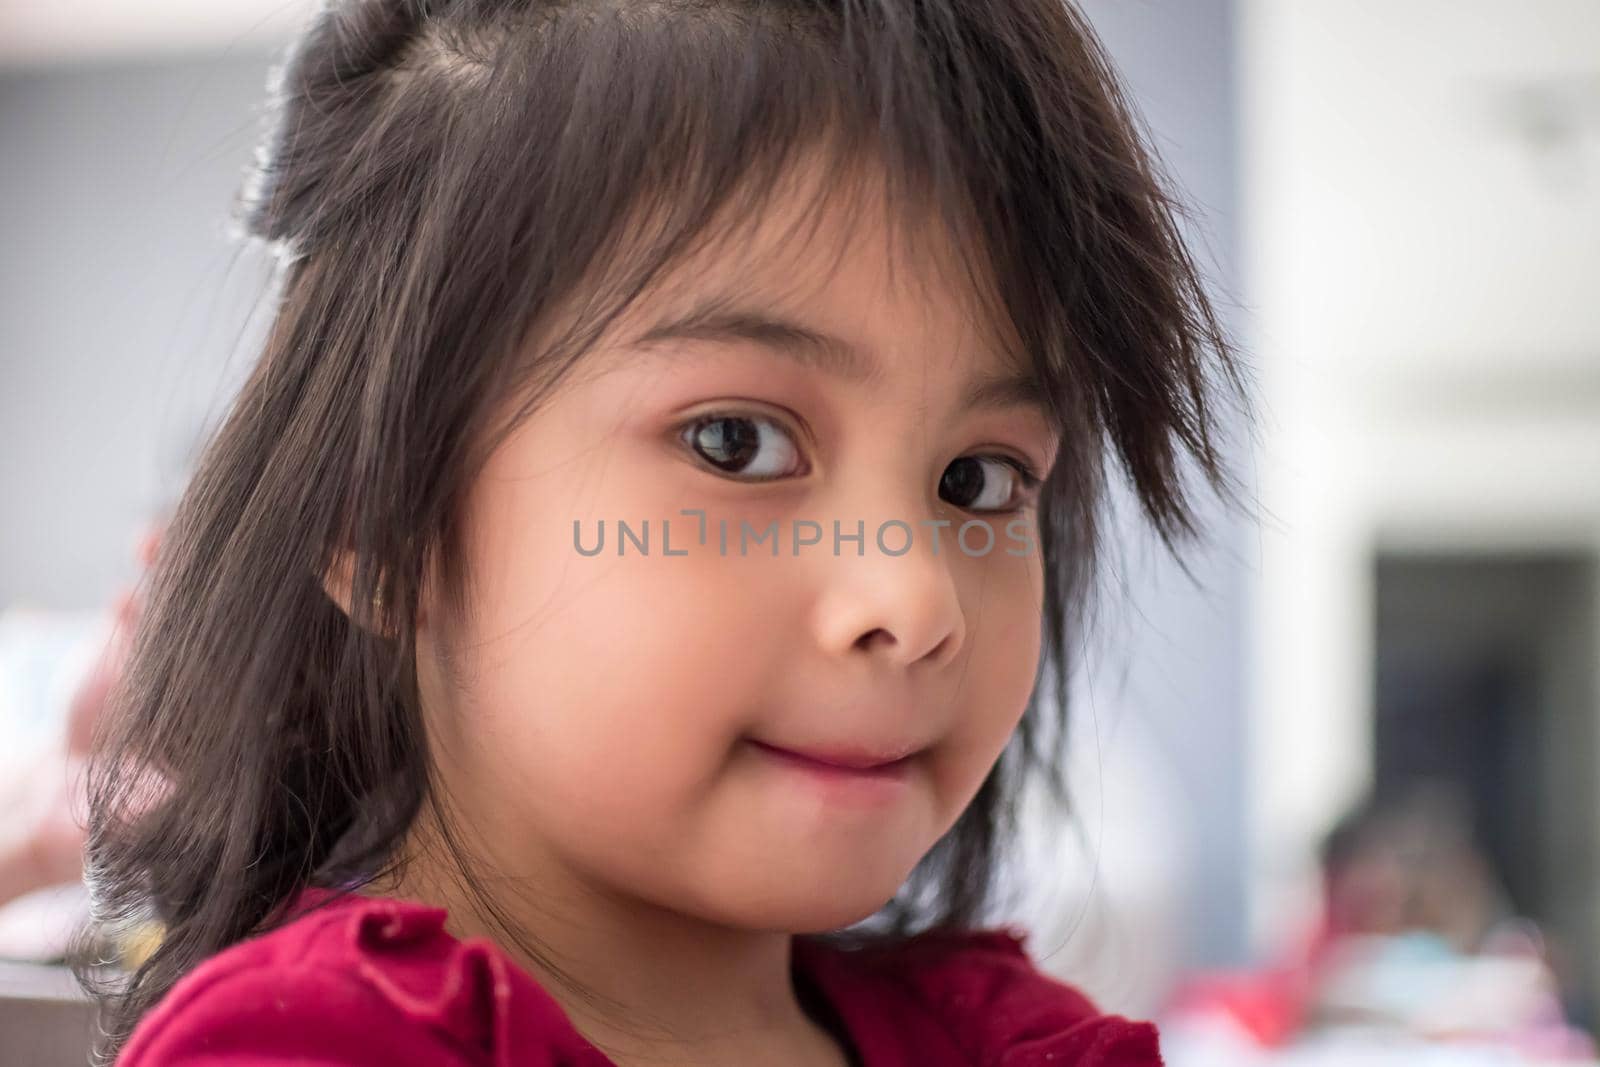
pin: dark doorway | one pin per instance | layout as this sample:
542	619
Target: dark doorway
1486	680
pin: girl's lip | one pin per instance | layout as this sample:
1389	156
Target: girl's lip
856	760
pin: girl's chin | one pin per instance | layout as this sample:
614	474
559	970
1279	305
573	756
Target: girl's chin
808	902
807	917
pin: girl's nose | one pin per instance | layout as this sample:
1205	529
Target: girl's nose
904	609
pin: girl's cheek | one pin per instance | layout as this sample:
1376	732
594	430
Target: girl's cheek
1005	647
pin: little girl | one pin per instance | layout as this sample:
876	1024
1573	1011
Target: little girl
609	626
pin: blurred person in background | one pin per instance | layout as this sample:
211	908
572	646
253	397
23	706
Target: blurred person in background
1421	936
1416	937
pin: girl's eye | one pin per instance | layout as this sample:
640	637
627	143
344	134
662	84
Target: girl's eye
752	447
987	483
757	448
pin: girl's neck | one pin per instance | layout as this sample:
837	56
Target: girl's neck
642	983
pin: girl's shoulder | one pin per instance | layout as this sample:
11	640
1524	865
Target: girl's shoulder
357	980
984	993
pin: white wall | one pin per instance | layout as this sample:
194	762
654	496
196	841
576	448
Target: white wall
1422	248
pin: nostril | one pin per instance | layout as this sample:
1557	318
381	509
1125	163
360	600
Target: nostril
873	636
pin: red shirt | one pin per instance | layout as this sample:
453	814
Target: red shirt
378	982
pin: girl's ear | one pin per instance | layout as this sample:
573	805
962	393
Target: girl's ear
336	581
337	584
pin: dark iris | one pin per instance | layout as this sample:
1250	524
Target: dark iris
730	443
962	482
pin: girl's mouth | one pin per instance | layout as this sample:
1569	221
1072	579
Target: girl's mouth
843	767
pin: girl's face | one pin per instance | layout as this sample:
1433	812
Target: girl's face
604	718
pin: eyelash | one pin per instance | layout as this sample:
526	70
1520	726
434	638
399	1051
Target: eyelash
1030	478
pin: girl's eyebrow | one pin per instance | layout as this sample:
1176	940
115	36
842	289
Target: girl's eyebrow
717	322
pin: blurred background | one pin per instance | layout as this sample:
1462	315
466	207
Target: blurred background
1335	800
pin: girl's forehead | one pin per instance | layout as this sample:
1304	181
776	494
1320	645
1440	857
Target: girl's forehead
822	263
848	324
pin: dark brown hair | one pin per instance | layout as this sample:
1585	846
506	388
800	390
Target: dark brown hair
442	179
